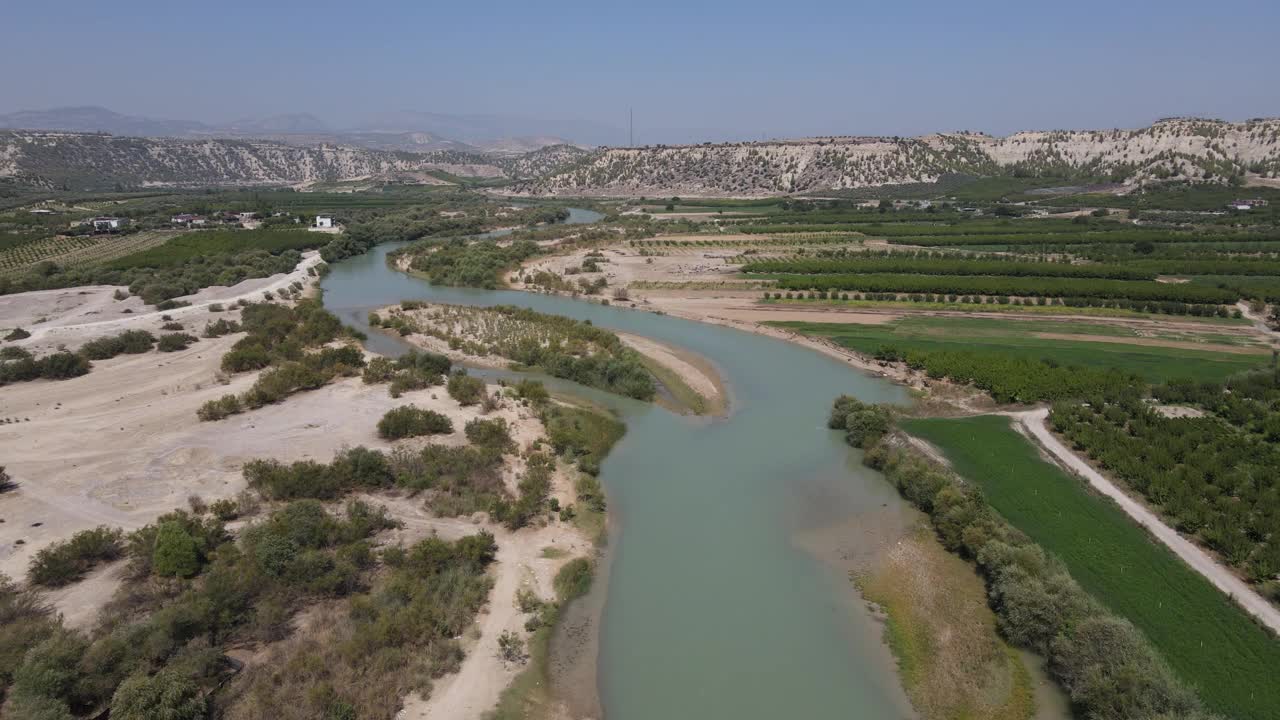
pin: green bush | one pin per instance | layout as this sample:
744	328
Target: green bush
465	389
412	421
66	561
176	553
167	695
573	580
63	366
220	408
17	334
128	342
174	342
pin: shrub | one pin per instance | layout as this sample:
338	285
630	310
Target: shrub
67	561
172	326
412	421
220	327
17	334
220	408
573	580
533	391
465	389
167	694
129	342
174	342
176	553
62	366
490	434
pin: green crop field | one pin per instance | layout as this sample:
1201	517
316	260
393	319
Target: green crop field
219	242
1023	339
1207	640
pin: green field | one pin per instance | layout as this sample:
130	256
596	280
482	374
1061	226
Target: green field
1018	338
221	242
1207	640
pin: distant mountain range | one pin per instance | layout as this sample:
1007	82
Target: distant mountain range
400	131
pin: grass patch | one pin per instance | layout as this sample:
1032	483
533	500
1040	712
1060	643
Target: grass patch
1209	642
943	634
1017	339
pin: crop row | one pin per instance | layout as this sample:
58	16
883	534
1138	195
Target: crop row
1022	227
1012	286
18	258
918	266
1078	238
712	241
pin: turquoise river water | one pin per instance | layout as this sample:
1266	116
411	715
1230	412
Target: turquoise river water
713	610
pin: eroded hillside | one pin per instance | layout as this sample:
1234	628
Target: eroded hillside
1168	150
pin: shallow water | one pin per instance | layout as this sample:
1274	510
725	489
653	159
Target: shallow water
712	610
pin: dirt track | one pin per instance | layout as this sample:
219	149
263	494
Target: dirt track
1034	421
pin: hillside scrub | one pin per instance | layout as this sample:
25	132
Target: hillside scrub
1038	605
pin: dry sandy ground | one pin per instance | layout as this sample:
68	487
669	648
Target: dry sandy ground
1033	422
624	266
73	316
122	445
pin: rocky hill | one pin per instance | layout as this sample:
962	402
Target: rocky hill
96	161
1177	149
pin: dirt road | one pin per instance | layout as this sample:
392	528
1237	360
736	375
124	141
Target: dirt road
1035	422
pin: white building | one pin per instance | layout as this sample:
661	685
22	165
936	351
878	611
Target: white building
324	221
108	224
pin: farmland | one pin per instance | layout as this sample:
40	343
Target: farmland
73	251
1157	355
204	243
1215	477
1207	640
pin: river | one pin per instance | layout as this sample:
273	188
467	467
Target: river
713	609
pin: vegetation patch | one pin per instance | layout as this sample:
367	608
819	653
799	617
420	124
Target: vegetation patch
1044	362
1221	653
562	347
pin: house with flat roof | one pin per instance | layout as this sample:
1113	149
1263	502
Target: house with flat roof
104	223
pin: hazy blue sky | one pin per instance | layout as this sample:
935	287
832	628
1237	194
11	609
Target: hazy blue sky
720	68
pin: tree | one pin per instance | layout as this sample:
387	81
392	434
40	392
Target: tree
163	696
176	553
